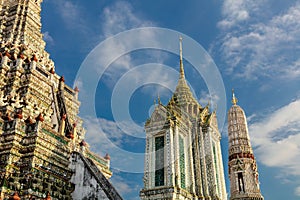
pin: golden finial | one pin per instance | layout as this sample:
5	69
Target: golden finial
181	60
180	47
158	99
234	99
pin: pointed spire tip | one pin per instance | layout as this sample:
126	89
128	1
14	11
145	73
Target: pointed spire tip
234	99
181	59
158	99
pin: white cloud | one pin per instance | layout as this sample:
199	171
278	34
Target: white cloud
68	10
125	186
297	191
147	75
237	11
262	47
120	17
121	184
208	98
105	136
103	132
48	38
72	15
282	118
110	134
251	117
276	139
117	18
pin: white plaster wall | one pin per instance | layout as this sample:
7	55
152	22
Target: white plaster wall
86	186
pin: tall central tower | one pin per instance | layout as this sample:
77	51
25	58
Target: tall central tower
183	157
20	26
243	174
42	147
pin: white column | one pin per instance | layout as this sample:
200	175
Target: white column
146	167
33	65
62	126
170	157
152	163
203	163
221	172
176	155
191	177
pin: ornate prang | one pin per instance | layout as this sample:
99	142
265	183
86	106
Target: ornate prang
33	100
243	174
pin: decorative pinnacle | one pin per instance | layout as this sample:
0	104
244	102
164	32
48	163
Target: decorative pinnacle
234	99
158	99
181	60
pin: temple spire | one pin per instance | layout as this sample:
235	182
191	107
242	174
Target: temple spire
158	99
243	173
181	60
234	99
183	92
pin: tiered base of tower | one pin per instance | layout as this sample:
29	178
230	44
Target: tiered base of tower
36	164
246	197
166	193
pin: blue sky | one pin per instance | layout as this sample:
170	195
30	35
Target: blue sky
254	44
